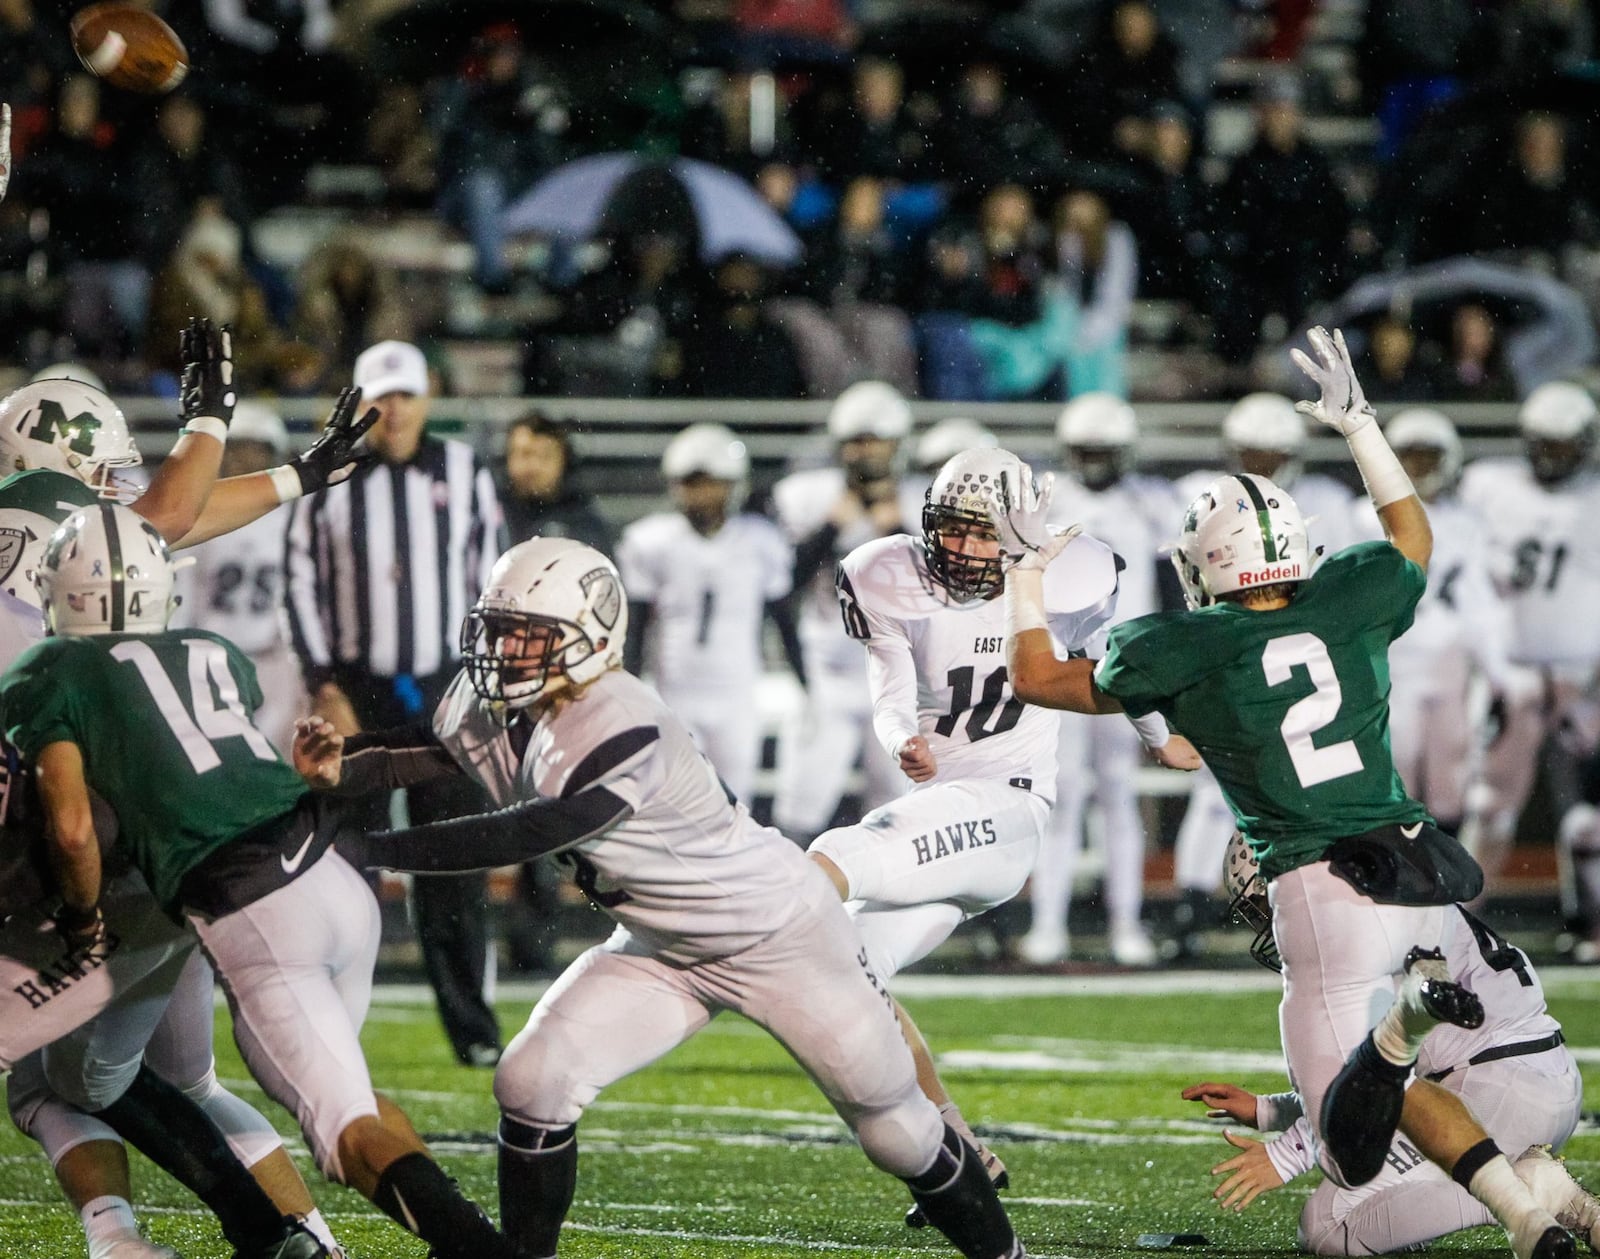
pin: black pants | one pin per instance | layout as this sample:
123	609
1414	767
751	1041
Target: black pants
450	910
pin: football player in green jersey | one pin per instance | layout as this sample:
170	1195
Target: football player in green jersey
1279	675
231	842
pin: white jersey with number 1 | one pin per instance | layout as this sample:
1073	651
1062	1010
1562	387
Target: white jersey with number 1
938	668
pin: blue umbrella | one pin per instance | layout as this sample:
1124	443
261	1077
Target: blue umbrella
732	218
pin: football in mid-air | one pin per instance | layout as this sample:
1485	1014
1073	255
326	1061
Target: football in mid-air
129	47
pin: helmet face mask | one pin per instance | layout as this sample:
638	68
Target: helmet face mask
968	505
707	470
1558	422
65	426
1099	467
1556	460
553	616
106	571
1248	904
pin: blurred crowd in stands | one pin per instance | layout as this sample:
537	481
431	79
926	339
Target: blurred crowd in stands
983	197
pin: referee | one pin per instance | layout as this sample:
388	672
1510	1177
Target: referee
381	572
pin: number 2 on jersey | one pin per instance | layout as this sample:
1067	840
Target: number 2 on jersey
208	666
1312	765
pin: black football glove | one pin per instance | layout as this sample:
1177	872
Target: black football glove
333	457
82	930
207	387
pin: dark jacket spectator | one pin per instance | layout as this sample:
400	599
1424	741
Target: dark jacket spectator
180	166
79	173
1474	370
875	132
1111	87
733	350
1394	365
347	302
990	136
541	489
1535	204
995	272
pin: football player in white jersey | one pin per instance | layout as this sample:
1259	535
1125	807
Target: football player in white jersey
1460	627
1132	514
826	513
1514	1073
714	912
982	763
235	586
1544	553
701	580
1265	436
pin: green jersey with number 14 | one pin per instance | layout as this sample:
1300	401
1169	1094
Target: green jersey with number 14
1290	708
163	723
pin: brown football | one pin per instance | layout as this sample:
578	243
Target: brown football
129	47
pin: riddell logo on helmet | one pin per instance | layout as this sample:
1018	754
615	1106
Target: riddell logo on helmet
1266	576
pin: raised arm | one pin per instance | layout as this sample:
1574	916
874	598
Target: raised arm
1344	408
330	459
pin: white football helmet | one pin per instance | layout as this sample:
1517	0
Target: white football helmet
1557	422
1247	899
106	571
869	408
974	491
1267	423
1241	533
256	422
68	370
66	427
561	604
1423	428
1098	432
712	450
947	439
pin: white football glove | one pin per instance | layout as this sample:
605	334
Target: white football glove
5	149
1039	559
1343	406
1023	530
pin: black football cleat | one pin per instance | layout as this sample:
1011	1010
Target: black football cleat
1434	990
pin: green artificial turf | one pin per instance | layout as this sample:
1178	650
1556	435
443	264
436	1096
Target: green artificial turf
725	1149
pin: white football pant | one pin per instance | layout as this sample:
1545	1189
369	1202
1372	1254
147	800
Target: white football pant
1342	966
918	866
1099	758
1532	1100
1432	731
727	727
1203	836
817	752
296	967
617	1008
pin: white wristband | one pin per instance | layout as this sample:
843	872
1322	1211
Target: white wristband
1153	732
1024	601
287	482
1379	466
209	425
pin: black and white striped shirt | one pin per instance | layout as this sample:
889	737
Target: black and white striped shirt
381	570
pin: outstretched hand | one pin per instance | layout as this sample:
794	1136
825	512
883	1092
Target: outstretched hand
1249	1173
333	457
207	383
1223	1101
318	752
1023	529
1343	405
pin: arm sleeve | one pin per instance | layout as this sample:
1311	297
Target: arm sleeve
306	597
385	760
1126	683
782	614
891	672
510	836
1275	1112
814	553
1294	1152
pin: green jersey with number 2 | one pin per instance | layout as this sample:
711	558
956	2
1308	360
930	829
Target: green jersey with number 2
1290	708
163	723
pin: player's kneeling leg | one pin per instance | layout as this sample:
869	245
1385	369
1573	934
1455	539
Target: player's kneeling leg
538	1176
1360	1113
958	1198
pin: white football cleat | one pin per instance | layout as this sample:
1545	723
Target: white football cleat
1131	945
1554	1189
134	1246
1044	947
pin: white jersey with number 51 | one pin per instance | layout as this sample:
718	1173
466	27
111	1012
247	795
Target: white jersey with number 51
1544	555
938	668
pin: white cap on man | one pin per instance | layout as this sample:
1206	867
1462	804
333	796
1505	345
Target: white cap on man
391	367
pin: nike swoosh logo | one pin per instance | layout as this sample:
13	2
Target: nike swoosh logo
1412	831
291	864
100	1212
